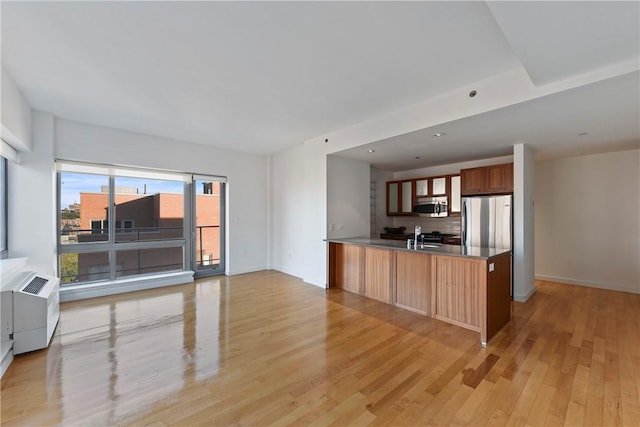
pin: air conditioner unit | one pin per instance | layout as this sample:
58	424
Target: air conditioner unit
36	310
30	309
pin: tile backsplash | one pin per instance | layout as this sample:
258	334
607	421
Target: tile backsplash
450	224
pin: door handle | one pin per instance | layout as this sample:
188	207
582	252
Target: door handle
463	242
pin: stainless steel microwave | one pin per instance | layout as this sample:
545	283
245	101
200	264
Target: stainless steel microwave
431	206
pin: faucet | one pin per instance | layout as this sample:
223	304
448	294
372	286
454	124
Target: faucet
418	232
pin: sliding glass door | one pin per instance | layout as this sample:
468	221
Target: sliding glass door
208	226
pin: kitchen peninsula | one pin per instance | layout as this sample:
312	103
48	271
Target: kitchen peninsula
465	286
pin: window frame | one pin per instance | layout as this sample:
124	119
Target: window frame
4	207
111	245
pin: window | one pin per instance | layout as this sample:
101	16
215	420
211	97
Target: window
100	226
116	222
155	206
4	227
84	207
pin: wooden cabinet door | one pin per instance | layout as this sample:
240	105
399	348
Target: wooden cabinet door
346	267
393	198
454	193
399	198
499	178
406	196
460	286
439	186
422	187
378	274
413	281
472	181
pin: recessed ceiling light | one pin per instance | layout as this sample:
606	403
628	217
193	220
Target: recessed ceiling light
583	133
371	151
417	157
439	134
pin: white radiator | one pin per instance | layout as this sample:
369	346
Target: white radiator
36	310
30	309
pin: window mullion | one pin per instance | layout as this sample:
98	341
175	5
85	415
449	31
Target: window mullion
189	222
154	227
111	214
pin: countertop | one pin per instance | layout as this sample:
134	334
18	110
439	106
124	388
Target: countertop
441	249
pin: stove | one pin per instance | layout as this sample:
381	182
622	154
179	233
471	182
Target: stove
432	237
435	236
394	233
394	236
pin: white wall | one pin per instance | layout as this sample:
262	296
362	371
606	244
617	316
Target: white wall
381	177
315	215
247	192
288	201
32	231
523	223
587	218
451	168
511	87
15	114
32	199
348	202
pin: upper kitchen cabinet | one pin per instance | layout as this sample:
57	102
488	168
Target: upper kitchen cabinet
422	187
454	204
492	179
472	181
499	178
399	198
401	194
439	186
434	186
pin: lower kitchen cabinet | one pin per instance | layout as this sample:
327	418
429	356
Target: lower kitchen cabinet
460	290
378	277
470	292
346	269
413	282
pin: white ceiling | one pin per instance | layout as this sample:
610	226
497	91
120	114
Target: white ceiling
558	39
263	76
607	111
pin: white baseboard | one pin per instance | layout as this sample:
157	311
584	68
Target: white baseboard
94	290
525	297
608	286
245	270
287	271
7	356
316	281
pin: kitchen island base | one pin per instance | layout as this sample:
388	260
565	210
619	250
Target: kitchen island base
471	292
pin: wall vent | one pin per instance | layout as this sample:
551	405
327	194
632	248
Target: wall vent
35	286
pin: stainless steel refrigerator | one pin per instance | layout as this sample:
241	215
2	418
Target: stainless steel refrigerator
487	221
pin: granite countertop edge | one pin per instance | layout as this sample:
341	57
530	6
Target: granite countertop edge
441	249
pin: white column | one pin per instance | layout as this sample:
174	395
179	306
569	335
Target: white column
32	199
523	223
315	214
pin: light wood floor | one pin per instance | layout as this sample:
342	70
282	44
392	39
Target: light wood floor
265	349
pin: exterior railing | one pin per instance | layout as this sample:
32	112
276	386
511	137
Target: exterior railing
200	253
207	252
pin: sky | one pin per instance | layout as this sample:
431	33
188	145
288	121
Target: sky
74	183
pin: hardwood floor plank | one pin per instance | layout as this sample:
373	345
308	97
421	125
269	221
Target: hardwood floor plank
540	409
266	349
464	415
595	394
527	398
